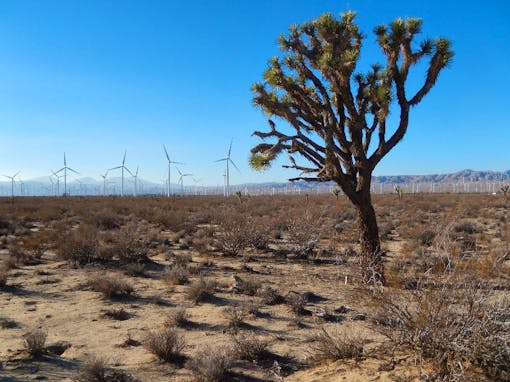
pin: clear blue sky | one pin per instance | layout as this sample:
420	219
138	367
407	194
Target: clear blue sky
93	78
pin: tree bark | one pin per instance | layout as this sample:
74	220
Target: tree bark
371	262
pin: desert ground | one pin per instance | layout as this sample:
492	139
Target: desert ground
253	289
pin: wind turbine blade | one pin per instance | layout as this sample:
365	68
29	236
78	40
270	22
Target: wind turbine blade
124	160
231	161
230	149
221	160
137	168
127	169
70	169
177	162
15	175
114	168
62	169
166	153
65	163
179	171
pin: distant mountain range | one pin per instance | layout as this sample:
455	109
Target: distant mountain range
461	181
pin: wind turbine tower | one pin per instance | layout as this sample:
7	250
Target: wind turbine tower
122	168
65	168
227	161
181	179
169	163
12	182
104	182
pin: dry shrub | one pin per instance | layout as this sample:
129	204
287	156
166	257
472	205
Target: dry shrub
179	317
342	344
201	290
167	344
95	369
234	237
34	342
117	314
296	303
176	275
235	317
249	347
129	244
212	364
269	295
250	286
110	286
106	219
304	233
458	326
4	272
80	247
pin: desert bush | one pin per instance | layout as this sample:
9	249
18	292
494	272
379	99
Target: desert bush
467	227
95	369
304	233
4	271
167	344
426	237
183	260
458	326
201	290
269	295
176	275
249	347
34	342
119	314
235	317
235	234
326	346
296	302
179	317
110	286
250	286
129	244
106	219
211	364
80	247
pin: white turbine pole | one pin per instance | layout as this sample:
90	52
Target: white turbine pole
169	163
12	182
227	159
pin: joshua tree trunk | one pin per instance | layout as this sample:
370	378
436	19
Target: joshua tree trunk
372	267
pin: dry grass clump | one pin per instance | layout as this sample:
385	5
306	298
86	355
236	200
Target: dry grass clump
95	369
179	317
249	347
4	272
110	286
211	364
34	342
167	344
326	346
201	290
80	247
176	275
235	316
458	326
296	303
269	296
117	314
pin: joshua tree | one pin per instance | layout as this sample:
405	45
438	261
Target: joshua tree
399	191
336	192
505	188
337	116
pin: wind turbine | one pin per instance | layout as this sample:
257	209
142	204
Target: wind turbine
227	160
122	167
104	182
169	162
55	174
65	168
181	179
135	176
12	182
